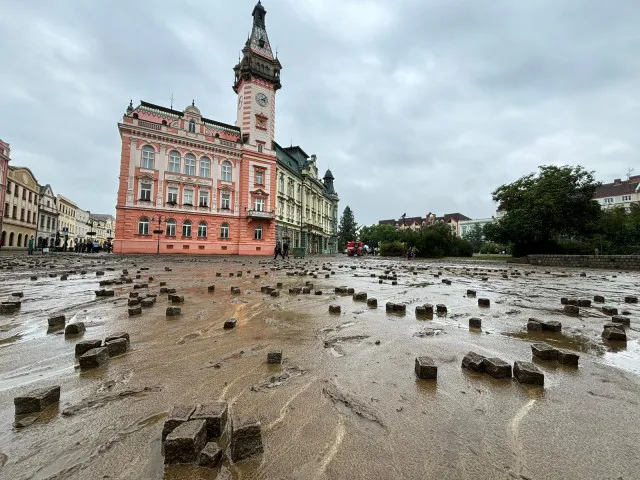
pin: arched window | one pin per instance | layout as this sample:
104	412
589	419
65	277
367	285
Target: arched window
189	164
143	226
11	239
148	155
226	171
202	229
224	230
19	240
205	167
192	126
171	228
186	228
174	162
257	233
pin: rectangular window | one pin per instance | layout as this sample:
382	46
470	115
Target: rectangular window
189	165
6	210
22	214
186	229
8	187
174	162
226	201
15	191
171	228
202	230
258	204
260	147
187	197
143	227
205	169
41	221
203	199
147	158
259	177
172	196
145	192
224	231
30	196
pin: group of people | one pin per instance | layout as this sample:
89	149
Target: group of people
282	248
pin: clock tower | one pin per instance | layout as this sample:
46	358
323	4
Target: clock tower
257	78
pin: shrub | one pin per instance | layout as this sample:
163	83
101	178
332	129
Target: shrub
392	249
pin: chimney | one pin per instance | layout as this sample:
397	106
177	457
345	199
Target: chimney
617	181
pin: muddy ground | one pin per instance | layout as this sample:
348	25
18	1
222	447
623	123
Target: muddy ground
340	406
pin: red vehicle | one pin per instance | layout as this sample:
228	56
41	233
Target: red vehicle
355	248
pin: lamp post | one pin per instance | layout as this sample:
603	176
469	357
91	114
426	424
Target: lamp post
158	231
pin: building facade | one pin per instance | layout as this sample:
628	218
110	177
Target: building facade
104	226
189	184
83	226
465	227
620	193
5	153
47	218
66	221
307	207
416	223
21	204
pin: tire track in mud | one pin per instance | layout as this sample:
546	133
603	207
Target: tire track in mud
513	430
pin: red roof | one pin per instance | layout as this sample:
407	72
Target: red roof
618	187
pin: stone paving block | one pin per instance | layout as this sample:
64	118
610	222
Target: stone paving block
117	347
246	438
567	357
215	417
475	322
173	311
135	311
84	346
57	321
230	323
614	334
497	367
334	308
36	400
527	372
94	358
210	456
473	361
274	357
185	442
571	310
544	351
176	416
75	328
426	368
484	302
622	320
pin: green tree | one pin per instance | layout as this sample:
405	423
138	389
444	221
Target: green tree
475	237
374	235
347	229
544	208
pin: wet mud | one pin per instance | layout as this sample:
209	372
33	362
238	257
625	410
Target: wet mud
345	402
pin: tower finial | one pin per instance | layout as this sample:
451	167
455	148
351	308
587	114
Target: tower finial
193	103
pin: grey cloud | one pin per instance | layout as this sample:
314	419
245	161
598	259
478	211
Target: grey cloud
415	106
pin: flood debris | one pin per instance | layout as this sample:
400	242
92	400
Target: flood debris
274	357
475	322
94	358
528	373
426	368
84	346
76	328
36	400
173	311
184	443
538	325
230	323
56	321
246	438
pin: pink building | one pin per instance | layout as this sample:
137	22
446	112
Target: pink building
5	152
189	184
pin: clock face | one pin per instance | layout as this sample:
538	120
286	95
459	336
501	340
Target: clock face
262	99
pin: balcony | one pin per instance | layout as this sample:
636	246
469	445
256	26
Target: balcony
260	214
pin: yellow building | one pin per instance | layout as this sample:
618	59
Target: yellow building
21	209
66	221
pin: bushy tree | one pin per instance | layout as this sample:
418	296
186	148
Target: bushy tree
541	209
347	228
475	237
377	234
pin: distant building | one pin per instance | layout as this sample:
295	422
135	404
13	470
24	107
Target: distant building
416	223
619	193
47	218
82	225
5	152
19	223
467	226
67	221
104	226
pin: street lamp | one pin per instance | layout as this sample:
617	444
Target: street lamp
158	231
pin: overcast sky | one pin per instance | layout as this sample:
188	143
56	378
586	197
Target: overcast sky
417	106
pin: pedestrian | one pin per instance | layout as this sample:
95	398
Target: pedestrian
30	245
285	249
277	250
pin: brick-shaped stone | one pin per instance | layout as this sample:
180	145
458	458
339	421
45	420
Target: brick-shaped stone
614	334
497	367
622	320
334	308
84	346
630	299
568	358
473	361
210	456
610	311
135	311
571	310
36	400
246	438
544	351
527	372
94	358
76	328
426	368
117	347
215	417
230	323
115	336
274	357
475	322
484	302
372	302
176	416
360	296
173	311
441	308
185	442
598	298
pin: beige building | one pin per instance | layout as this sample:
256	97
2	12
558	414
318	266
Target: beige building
66	221
21	209
104	225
